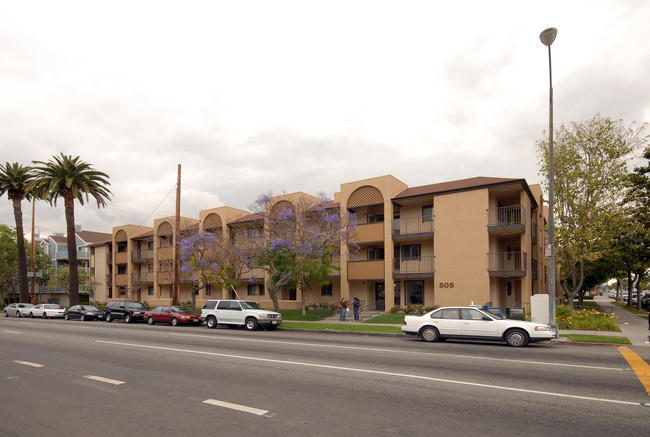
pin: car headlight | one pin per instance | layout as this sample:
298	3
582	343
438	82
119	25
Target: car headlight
543	328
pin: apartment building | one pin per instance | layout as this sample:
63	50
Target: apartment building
56	246
471	241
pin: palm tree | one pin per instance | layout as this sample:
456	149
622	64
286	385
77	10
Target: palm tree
14	179
70	178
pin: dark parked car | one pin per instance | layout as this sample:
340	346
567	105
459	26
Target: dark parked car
129	311
83	312
172	315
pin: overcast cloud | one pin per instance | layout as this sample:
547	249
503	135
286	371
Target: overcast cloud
284	96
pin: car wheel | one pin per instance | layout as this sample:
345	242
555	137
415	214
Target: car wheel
66	316
251	324
211	322
82	318
18	314
150	320
128	318
430	334
6	315
109	317
174	321
45	315
516	338
31	315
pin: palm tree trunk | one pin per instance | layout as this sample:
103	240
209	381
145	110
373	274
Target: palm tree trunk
22	257
72	250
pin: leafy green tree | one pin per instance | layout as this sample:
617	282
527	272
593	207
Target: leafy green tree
59	277
14	179
8	260
589	160
70	178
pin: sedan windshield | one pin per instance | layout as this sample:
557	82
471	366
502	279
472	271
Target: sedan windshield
180	310
88	308
135	306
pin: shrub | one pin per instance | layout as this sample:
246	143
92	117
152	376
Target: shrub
584	319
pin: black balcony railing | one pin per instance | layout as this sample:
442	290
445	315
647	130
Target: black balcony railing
507	263
507	218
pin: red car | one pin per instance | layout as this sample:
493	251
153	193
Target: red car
172	315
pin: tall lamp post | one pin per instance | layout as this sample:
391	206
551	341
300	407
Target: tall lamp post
547	37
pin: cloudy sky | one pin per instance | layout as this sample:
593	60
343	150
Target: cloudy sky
285	96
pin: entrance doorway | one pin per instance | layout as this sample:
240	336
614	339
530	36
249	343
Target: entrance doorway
380	296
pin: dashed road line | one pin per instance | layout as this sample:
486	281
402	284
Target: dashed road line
106	380
237	407
27	363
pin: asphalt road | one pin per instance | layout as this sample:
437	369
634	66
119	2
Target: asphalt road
93	378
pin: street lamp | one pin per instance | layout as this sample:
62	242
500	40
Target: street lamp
547	37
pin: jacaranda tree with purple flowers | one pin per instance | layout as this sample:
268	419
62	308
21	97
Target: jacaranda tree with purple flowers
302	242
211	260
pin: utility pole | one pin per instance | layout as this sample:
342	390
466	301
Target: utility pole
177	237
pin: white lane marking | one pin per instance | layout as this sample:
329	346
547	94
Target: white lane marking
12	332
237	407
373	372
27	363
106	380
401	352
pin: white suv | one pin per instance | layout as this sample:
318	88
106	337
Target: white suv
234	313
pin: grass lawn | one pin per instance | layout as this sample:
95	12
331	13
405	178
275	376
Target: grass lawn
391	319
310	316
585	338
352	327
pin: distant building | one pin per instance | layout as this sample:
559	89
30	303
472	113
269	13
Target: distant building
56	246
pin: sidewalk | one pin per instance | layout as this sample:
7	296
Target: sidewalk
633	327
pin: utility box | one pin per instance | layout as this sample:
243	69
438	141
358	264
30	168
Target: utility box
539	308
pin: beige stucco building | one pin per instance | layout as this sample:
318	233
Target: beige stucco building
471	241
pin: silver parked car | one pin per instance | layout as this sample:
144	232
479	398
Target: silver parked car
18	309
46	310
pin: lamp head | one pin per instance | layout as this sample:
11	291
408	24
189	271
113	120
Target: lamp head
548	36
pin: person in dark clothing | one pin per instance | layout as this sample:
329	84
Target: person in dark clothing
356	305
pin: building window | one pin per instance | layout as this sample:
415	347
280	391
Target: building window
150	290
208	290
410	252
398	289
150	245
122	291
375	218
326	290
414	291
121	247
256	289
375	253
427	213
121	270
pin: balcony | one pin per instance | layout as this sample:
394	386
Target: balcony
507	264
141	255
255	274
413	268
369	233
121	279
507	219
142	278
412	227
366	270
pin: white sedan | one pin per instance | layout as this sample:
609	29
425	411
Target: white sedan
47	310
474	323
18	309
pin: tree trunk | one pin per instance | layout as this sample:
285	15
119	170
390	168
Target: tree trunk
22	257
72	250
576	283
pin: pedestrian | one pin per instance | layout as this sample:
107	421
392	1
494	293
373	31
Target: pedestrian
344	307
356	304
